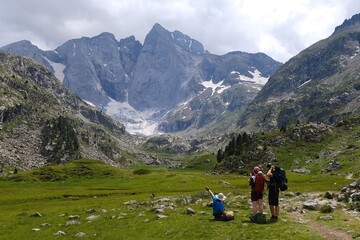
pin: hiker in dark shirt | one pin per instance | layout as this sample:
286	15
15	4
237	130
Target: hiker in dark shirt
273	193
257	183
218	207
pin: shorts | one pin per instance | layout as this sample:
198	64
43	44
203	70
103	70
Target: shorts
273	196
255	196
222	217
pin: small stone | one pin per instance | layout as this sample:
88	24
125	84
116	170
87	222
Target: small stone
159	217
59	233
327	217
91	210
37	214
92	218
73	217
45	224
72	222
159	210
310	205
80	234
36	229
190	211
130	202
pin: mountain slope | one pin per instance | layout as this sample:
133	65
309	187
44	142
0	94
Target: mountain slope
42	122
320	84
145	86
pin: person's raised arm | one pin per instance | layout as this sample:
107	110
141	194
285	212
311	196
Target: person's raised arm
208	189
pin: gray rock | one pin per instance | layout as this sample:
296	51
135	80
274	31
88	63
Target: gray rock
160	216
326	217
36	214
130	202
60	233
92	218
301	170
80	234
190	211
73	217
310	205
159	210
72	222
91	210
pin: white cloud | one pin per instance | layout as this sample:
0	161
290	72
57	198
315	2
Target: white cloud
279	28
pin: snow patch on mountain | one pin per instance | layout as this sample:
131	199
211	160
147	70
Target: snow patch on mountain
59	70
141	123
215	87
256	77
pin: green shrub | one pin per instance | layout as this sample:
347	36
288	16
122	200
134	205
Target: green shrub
141	171
326	209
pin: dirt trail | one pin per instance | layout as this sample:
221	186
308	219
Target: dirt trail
326	232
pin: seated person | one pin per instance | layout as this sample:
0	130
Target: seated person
218	207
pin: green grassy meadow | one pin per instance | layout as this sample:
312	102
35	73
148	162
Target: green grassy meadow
59	192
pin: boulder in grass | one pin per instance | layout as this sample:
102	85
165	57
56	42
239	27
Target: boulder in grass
160	216
190	211
36	214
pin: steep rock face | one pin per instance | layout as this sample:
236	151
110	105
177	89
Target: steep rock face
165	73
320	84
129	49
93	68
138	84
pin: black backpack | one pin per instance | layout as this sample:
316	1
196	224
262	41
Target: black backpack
280	178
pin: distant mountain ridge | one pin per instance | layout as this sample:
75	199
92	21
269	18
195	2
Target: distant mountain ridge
320	84
148	86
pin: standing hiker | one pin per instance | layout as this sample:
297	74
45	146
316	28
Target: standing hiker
218	207
257	183
273	193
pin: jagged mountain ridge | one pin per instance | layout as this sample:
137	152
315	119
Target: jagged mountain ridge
42	122
320	84
145	84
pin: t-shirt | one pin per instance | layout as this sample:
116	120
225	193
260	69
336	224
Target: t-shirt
218	206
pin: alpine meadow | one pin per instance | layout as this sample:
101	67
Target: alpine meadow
108	139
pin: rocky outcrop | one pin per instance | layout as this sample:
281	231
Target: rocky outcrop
42	122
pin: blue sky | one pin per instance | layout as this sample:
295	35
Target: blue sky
279	28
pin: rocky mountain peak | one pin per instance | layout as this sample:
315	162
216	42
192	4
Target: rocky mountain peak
348	24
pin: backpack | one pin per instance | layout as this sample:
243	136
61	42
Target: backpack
280	178
259	183
259	218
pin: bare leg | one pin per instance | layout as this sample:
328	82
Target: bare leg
230	215
261	207
276	211
254	207
272	210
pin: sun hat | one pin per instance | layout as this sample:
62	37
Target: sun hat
220	196
256	169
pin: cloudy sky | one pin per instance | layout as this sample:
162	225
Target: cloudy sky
279	28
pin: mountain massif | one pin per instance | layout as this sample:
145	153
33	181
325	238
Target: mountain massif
320	84
169	84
